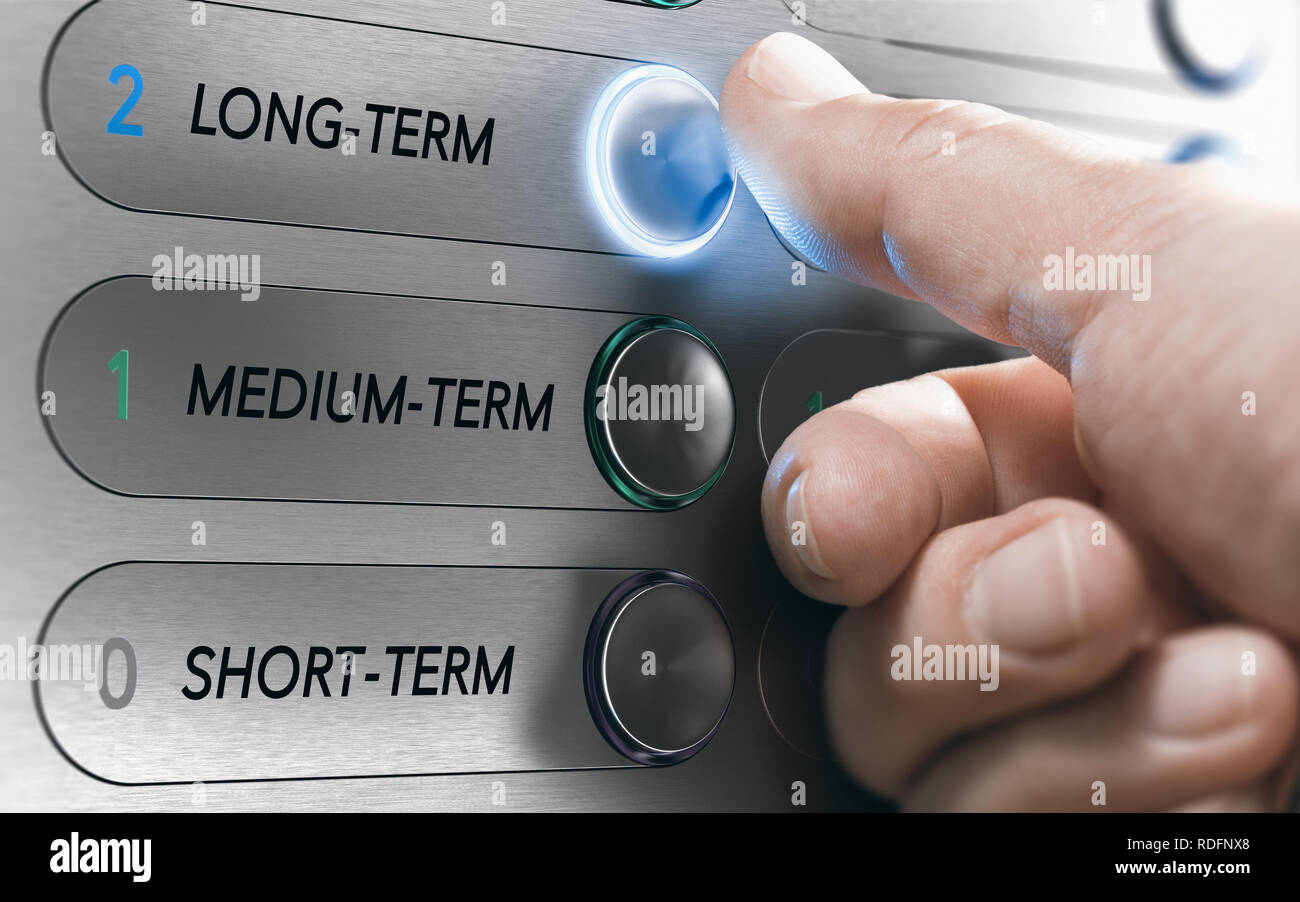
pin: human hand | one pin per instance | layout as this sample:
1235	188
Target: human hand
964	506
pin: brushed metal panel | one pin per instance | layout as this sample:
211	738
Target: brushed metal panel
58	238
534	167
432	444
1117	33
535	719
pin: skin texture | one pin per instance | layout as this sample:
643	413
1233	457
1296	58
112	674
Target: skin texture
964	506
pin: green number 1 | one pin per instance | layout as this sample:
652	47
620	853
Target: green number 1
120	363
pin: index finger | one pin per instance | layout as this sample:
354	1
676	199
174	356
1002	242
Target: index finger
957	204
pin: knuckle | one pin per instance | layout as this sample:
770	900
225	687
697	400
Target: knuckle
920	125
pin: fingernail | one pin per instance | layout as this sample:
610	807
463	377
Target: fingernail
795	68
1026	594
1199	689
799	529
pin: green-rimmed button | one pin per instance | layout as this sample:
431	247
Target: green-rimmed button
660	413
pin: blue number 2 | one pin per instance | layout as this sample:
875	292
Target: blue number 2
115	125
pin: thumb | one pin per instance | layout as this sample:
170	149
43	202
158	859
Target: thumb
966	207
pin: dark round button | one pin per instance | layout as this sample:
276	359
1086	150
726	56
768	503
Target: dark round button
660	413
659	667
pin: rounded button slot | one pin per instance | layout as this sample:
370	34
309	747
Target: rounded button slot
826	366
246	136
657	161
791	665
660	413
460	393
659	667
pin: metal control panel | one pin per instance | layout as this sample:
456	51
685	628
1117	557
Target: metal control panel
382	432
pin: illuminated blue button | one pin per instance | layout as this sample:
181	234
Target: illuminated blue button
1196	148
657	161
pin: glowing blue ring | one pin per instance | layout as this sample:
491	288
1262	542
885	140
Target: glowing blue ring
602	187
1193	70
